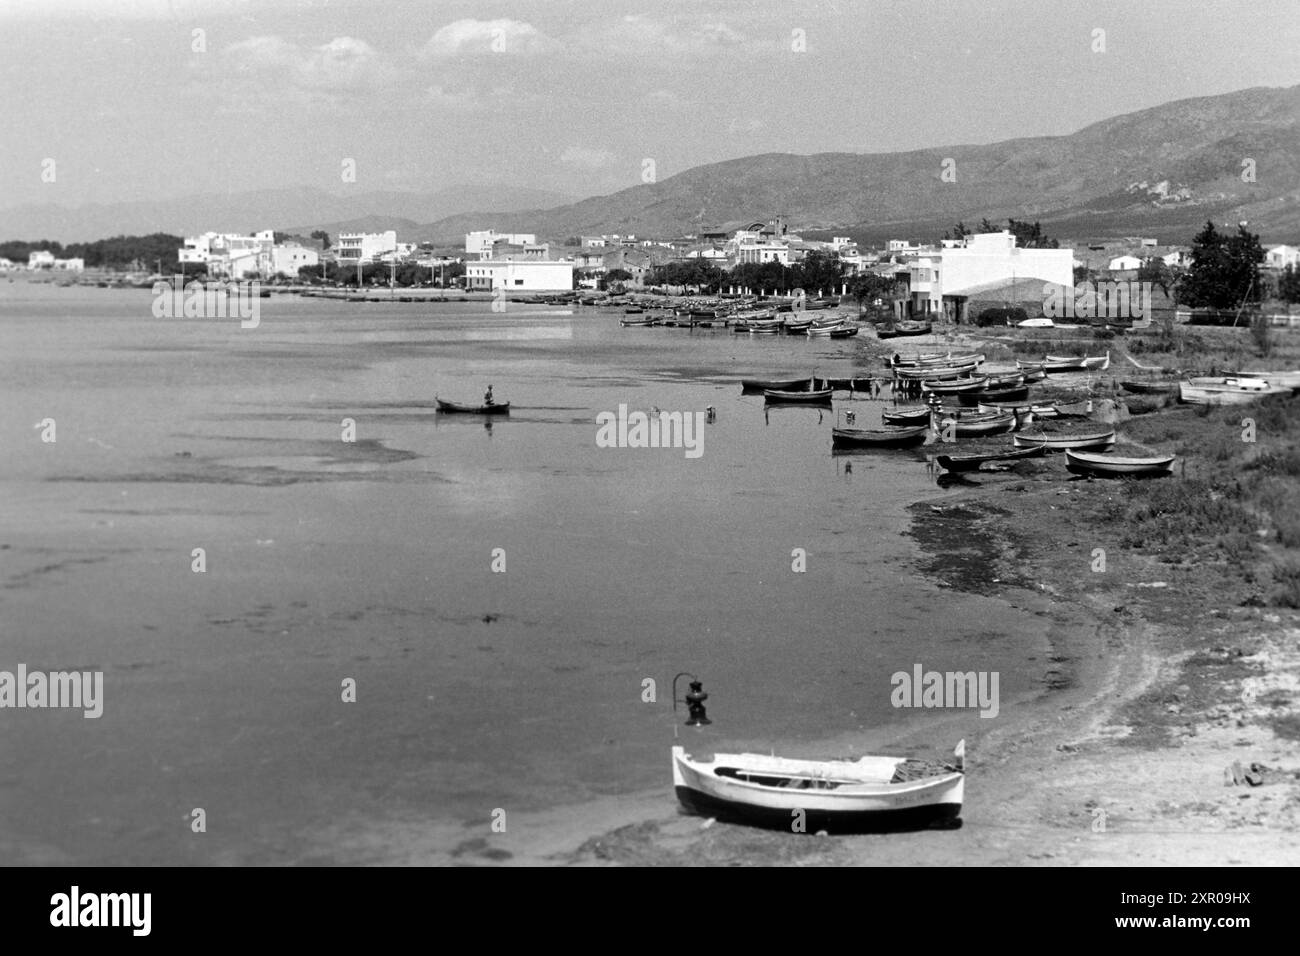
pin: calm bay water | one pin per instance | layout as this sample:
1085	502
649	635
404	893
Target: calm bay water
371	561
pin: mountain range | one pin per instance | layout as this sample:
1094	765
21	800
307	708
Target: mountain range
294	209
1160	171
1157	172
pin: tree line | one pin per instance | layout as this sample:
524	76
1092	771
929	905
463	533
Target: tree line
119	252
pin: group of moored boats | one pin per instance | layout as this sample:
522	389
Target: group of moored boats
958	400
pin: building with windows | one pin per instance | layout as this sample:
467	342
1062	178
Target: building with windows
942	280
353	247
483	243
519	275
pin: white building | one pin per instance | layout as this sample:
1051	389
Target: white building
1123	263
1279	257
519	275
230	254
941	277
481	243
40	259
290	257
747	251
363	246
70	265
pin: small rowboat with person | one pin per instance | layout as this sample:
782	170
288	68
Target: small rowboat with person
837	796
496	408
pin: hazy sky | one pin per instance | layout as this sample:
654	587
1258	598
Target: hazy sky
573	95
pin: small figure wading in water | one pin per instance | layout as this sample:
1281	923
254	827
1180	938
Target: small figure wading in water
487	397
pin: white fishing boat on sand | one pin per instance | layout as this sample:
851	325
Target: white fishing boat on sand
838	796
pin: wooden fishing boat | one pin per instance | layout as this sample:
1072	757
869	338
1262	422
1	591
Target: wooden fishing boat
1039	323
1289	380
1098	363
914	415
797	327
904	329
496	408
956	386
642	322
934	373
973	462
974	427
1005	380
1150	388
837	796
1021	409
879	437
994	395
935	358
844	331
826	328
1227	391
778	385
820	396
1067	365
1062	440
1109	466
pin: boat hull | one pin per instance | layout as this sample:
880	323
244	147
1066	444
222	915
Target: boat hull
455	407
873	438
964	463
1053	442
819	397
854	808
1103	466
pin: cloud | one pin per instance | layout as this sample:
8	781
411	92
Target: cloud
587	158
119	9
488	37
639	35
345	63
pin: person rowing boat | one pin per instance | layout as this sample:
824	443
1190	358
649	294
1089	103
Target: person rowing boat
487	397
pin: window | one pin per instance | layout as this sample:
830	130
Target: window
519	282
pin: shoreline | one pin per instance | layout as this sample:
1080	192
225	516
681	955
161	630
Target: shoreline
1161	694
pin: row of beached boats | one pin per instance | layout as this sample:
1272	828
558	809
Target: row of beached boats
988	404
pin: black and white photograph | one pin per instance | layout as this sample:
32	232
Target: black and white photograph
735	433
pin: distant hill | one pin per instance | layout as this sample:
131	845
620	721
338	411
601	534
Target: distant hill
1159	171
297	209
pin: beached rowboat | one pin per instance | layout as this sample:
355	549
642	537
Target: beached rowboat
1062	441
1098	363
778	385
1227	391
1150	388
974	427
973	462
956	386
916	415
1109	466
838	796
904	329
502	408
